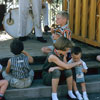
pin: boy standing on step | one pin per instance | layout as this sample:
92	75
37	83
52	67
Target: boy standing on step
78	73
3	86
18	72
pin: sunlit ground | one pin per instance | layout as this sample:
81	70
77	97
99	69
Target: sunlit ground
4	36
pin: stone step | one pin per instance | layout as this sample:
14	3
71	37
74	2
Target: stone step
87	56
92	96
38	90
38	65
90	64
93	68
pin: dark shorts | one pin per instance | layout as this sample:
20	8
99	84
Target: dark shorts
47	77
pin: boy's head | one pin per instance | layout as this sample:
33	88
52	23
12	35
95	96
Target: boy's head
16	46
63	43
76	53
61	18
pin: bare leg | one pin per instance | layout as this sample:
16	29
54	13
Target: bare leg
54	88
46	50
69	83
55	85
84	91
3	86
76	90
83	87
75	85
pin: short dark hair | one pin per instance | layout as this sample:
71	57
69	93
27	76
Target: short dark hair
76	50
62	43
16	46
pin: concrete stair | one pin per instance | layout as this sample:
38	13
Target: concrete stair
38	90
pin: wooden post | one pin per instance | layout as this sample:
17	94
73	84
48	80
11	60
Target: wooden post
92	20
64	6
71	14
98	21
77	17
84	18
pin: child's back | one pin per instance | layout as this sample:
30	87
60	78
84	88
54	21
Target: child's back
18	72
20	66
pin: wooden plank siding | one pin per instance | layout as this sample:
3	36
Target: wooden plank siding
84	20
98	21
92	21
77	17
64	5
71	18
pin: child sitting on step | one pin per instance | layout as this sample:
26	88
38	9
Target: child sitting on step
78	73
54	68
18	72
62	18
3	86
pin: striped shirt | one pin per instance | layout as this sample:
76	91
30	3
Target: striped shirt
20	66
64	31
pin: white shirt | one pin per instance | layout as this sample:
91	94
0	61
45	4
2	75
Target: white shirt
83	63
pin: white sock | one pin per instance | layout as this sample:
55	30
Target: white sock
70	93
54	96
85	95
78	95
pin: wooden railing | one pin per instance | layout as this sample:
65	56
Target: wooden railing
84	20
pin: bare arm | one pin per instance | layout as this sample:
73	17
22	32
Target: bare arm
31	60
56	60
8	67
84	70
51	69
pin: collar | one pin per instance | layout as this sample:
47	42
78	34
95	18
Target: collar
65	26
56	52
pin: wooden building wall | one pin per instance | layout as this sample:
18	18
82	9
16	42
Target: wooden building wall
84	20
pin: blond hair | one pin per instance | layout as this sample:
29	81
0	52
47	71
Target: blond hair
62	43
63	14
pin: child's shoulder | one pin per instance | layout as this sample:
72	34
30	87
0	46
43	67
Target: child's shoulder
70	61
83	61
84	64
